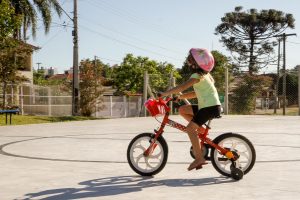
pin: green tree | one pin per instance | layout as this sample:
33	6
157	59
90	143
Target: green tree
108	74
8	21
39	78
221	62
12	52
11	57
291	88
244	95
249	35
91	89
129	76
29	9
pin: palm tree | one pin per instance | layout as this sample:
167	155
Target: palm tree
30	9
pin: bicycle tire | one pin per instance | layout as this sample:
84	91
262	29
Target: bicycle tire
134	163
216	156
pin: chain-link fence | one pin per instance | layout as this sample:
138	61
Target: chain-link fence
120	106
54	101
280	98
272	91
38	100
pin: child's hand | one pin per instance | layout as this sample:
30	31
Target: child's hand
159	94
176	99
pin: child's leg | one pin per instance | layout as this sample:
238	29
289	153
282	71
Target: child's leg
186	111
199	159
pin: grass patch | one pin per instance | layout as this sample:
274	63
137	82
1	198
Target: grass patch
29	119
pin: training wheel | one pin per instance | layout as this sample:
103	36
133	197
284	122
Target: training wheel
237	174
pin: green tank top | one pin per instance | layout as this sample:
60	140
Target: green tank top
206	91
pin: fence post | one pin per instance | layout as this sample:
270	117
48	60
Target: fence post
111	109
32	94
299	89
150	91
22	99
173	84
170	87
49	102
96	108
139	103
226	92
12	94
145	91
125	106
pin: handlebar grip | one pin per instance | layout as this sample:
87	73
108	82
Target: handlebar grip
175	98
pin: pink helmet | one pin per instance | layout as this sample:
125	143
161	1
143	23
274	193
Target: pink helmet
203	58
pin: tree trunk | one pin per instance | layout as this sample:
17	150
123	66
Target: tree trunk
24	30
252	59
4	95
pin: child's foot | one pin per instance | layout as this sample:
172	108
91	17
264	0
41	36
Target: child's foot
197	164
200	166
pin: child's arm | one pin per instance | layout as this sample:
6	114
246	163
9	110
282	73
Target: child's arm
189	95
189	83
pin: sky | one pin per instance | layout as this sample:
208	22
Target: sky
162	30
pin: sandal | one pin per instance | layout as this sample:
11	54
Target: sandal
197	164
200	166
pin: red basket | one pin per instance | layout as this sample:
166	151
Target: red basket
155	107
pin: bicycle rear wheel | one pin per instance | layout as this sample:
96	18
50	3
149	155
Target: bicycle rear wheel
240	146
147	165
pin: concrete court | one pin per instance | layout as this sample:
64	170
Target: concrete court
87	160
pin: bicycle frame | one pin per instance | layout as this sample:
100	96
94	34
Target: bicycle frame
202	134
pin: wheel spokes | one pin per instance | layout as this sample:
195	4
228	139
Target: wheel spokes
150	162
238	146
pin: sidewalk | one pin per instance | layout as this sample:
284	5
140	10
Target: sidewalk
87	160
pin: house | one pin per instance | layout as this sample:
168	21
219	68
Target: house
27	69
48	72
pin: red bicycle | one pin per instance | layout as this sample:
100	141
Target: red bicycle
231	154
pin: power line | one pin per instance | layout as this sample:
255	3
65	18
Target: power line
50	39
133	19
118	61
126	43
67	14
132	37
293	42
60	25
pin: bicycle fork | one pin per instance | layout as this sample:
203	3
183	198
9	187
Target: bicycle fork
223	151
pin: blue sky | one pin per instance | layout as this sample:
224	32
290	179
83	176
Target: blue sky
163	30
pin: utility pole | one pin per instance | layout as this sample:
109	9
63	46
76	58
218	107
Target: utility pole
96	83
226	92
38	65
145	94
277	79
284	69
75	87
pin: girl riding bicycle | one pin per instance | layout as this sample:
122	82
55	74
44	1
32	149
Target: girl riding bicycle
201	63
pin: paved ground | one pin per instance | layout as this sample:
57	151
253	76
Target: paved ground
87	160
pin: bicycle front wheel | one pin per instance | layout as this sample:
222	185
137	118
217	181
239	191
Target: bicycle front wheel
151	164
240	146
